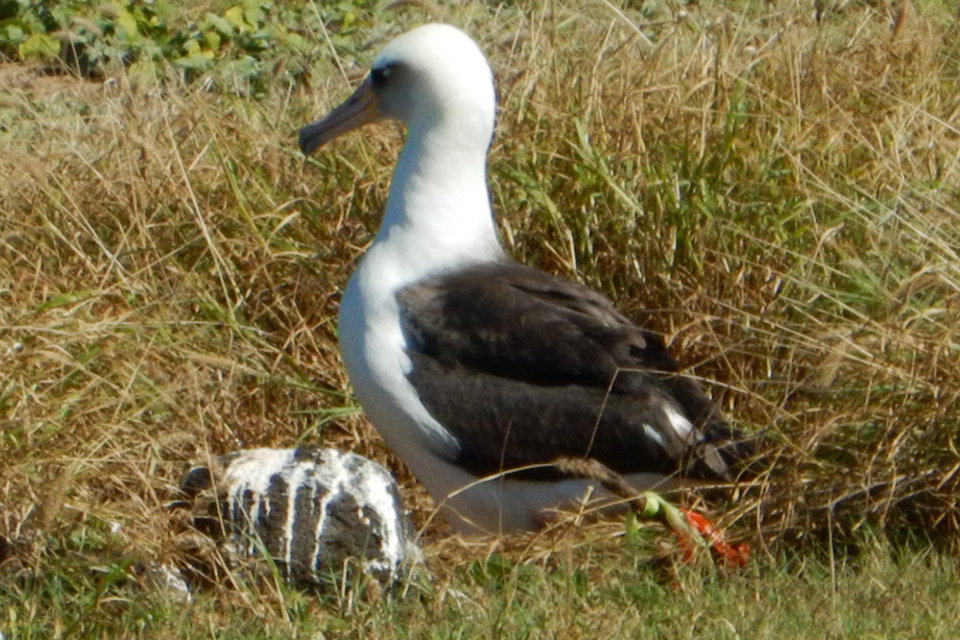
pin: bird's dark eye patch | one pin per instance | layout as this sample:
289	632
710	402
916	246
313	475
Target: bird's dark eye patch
380	76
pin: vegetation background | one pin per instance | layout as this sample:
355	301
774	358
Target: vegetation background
770	185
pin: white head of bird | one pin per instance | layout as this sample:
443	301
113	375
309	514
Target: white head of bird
436	81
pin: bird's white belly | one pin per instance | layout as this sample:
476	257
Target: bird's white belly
500	505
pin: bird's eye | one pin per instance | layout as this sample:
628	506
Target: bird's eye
380	76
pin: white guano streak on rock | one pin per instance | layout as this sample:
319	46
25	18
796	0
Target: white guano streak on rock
372	489
334	476
254	470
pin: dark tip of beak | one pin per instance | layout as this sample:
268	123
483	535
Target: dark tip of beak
308	140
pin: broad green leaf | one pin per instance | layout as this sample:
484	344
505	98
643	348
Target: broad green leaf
212	39
220	24
12	34
192	47
39	46
234	16
297	42
127	23
200	61
253	13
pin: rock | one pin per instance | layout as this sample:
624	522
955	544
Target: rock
311	510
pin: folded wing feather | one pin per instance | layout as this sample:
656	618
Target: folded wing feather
523	368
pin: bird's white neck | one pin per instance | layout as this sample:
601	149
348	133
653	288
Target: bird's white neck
438	212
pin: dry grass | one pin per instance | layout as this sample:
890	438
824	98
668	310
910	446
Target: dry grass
776	195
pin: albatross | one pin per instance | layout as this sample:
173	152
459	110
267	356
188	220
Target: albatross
477	371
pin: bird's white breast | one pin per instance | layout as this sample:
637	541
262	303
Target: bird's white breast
373	349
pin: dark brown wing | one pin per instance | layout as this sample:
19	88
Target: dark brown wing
523	367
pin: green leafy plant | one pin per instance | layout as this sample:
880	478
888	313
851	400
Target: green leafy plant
238	46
